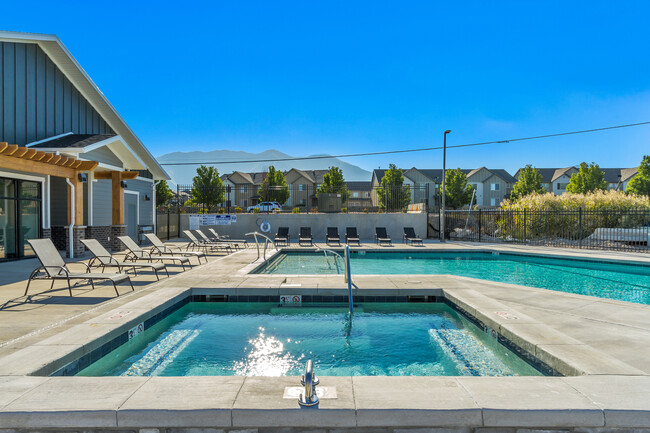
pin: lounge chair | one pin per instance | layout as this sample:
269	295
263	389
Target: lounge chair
332	236
305	236
282	236
212	244
226	239
137	253
194	242
381	237
55	268
103	259
410	236
351	236
160	248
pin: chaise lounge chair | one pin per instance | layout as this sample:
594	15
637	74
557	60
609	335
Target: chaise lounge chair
160	248
305	236
55	268
410	236
333	236
137	253
381	237
103	259
214	245
351	236
282	237
234	242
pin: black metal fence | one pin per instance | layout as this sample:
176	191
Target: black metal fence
595	229
298	199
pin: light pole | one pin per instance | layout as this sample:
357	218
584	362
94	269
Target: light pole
444	169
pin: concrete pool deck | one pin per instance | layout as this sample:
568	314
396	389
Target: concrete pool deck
600	345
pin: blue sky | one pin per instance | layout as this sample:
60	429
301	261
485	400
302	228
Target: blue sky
335	77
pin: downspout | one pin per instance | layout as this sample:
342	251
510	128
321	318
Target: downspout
70	230
155	217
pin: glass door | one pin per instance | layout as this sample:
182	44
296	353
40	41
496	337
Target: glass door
20	217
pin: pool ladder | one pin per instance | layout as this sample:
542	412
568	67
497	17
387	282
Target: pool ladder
309	381
348	272
267	240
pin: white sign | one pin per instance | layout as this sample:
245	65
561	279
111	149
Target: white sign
199	220
136	330
291	299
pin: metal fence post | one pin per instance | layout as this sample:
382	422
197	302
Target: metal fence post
580	227
178	210
169	210
524	225
479	225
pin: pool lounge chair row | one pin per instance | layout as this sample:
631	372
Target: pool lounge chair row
351	236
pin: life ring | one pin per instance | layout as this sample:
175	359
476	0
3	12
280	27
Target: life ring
265	226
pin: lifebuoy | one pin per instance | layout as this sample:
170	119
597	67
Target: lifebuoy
265	226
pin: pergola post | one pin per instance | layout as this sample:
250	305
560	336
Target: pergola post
118	198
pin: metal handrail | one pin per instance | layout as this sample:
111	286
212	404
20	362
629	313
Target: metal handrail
335	254
257	243
348	278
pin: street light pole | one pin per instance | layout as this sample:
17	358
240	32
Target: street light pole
444	171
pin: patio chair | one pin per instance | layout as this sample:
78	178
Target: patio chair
305	236
103	259
410	236
53	267
381	237
223	238
351	236
282	236
160	248
212	244
137	253
332	236
194	242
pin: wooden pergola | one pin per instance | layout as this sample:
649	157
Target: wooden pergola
27	160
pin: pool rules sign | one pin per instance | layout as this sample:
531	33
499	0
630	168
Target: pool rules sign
199	220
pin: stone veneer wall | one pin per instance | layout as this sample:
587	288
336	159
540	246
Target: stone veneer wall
117	230
101	233
59	237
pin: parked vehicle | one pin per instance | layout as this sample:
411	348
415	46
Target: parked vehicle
265	206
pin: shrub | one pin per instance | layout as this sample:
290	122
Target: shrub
314	210
295	210
344	210
221	210
256	210
237	209
365	210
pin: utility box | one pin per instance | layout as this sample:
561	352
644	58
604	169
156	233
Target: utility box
330	202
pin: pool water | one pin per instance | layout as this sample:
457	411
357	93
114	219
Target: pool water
621	281
261	339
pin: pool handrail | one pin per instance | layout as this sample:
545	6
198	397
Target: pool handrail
309	398
257	243
335	254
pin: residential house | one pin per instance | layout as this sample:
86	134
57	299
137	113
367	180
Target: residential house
359	195
492	185
68	161
556	180
242	188
303	185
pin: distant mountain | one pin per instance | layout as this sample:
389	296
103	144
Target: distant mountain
183	174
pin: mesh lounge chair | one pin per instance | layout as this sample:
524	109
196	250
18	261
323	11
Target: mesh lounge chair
226	239
332	236
160	248
305	236
54	268
282	236
351	236
410	236
381	237
137	253
103	259
214	245
194	242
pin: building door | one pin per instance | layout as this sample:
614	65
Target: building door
20	217
131	215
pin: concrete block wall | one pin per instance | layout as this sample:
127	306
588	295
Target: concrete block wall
101	233
365	224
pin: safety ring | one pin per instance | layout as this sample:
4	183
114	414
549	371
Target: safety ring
265	226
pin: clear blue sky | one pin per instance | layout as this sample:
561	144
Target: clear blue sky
334	77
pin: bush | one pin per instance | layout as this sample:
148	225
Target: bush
256	210
237	209
365	210
295	210
314	210
344	210
221	210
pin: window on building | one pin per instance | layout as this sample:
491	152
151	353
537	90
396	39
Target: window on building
495	187
302	202
301	187
355	194
560	185
243	189
493	202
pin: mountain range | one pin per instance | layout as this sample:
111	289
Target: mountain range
220	159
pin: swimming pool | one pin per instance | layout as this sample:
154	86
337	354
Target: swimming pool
621	281
266	339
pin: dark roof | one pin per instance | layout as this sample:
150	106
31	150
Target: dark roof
612	174
74	141
358	186
503	175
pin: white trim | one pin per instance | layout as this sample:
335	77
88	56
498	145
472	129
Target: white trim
102	143
21	176
70	150
104	165
144	179
137	207
33	143
47	214
91	179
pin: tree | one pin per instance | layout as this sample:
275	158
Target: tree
530	181
457	191
274	187
333	183
640	184
392	193
589	178
163	193
207	187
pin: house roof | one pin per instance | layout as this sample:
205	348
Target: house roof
314	176
63	59
611	174
549	174
71	141
359	186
